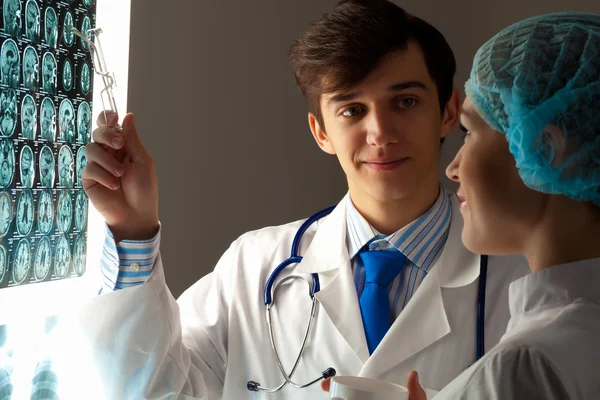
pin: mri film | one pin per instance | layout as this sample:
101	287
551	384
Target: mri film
7	162
66	121
66	167
28	118
22	262
62	257
68	35
84	123
46	117
80	211
8	112
49	73
85	26
24	219
12	17
45	212
79	255
43	259
9	64
81	162
64	212
31	69
47	165
3	262
27	166
85	79
67	76
32	21
51	27
6	213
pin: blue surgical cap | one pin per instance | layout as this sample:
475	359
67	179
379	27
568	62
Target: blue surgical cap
538	77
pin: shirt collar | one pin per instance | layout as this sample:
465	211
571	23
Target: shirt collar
418	241
555	287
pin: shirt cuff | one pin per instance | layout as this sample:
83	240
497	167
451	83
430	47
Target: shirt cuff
128	263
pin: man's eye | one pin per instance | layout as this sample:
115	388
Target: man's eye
351	111
407	102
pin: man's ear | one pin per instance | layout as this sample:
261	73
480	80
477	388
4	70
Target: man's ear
451	114
319	134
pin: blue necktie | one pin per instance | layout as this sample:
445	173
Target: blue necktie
381	268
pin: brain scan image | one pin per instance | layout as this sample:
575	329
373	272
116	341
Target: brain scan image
31	69
25	212
64	212
49	73
42	262
66	121
48	119
62	257
79	255
47	165
86	25
22	261
45	212
27	167
81	162
67	76
7	162
6	213
12	17
51	27
32	21
66	167
68	35
8	112
85	79
84	123
81	210
28	118
4	262
10	62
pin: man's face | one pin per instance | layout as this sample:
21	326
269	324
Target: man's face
386	130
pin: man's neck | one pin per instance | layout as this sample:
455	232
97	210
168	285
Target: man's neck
389	216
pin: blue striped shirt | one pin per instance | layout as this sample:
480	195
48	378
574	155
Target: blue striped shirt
128	263
421	242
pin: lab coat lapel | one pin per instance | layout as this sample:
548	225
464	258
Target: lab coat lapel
328	256
424	321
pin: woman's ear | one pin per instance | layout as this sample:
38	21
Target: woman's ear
554	140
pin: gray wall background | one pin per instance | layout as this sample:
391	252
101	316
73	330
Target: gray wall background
217	107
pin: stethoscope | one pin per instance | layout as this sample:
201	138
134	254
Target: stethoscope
314	287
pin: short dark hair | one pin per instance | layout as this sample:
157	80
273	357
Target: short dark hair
341	48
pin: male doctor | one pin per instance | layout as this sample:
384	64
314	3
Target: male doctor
398	288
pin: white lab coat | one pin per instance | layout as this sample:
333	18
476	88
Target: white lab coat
214	339
551	349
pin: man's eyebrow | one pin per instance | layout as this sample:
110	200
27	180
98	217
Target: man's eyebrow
347	96
340	97
407	85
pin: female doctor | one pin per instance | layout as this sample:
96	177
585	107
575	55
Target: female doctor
389	102
529	171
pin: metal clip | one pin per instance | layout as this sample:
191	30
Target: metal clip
99	63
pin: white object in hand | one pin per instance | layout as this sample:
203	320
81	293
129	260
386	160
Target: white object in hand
357	388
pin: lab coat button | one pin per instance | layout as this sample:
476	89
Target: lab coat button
135	267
